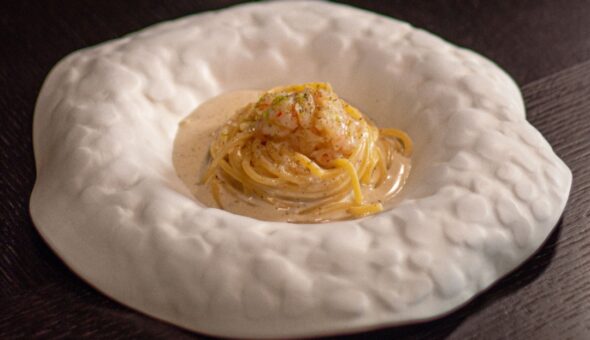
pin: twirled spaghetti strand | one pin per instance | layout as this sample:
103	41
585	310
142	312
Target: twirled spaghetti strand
261	152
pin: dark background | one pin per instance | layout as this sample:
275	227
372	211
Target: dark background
544	45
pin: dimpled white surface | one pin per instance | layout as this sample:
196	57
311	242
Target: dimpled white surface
485	190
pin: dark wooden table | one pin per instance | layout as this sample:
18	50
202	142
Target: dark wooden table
544	45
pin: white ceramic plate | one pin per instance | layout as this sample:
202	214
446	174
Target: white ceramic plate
484	193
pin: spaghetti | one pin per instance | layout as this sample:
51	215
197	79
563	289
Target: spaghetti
304	149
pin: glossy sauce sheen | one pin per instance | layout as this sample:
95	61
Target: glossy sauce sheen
191	158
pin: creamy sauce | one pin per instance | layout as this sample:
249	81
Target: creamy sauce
191	157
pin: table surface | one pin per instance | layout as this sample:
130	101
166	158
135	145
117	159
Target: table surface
544	45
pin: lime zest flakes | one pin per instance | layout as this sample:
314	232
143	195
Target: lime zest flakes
278	99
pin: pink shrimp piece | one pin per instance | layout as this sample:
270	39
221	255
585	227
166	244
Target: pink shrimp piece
312	120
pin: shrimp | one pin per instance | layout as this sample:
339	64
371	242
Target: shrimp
310	118
278	117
